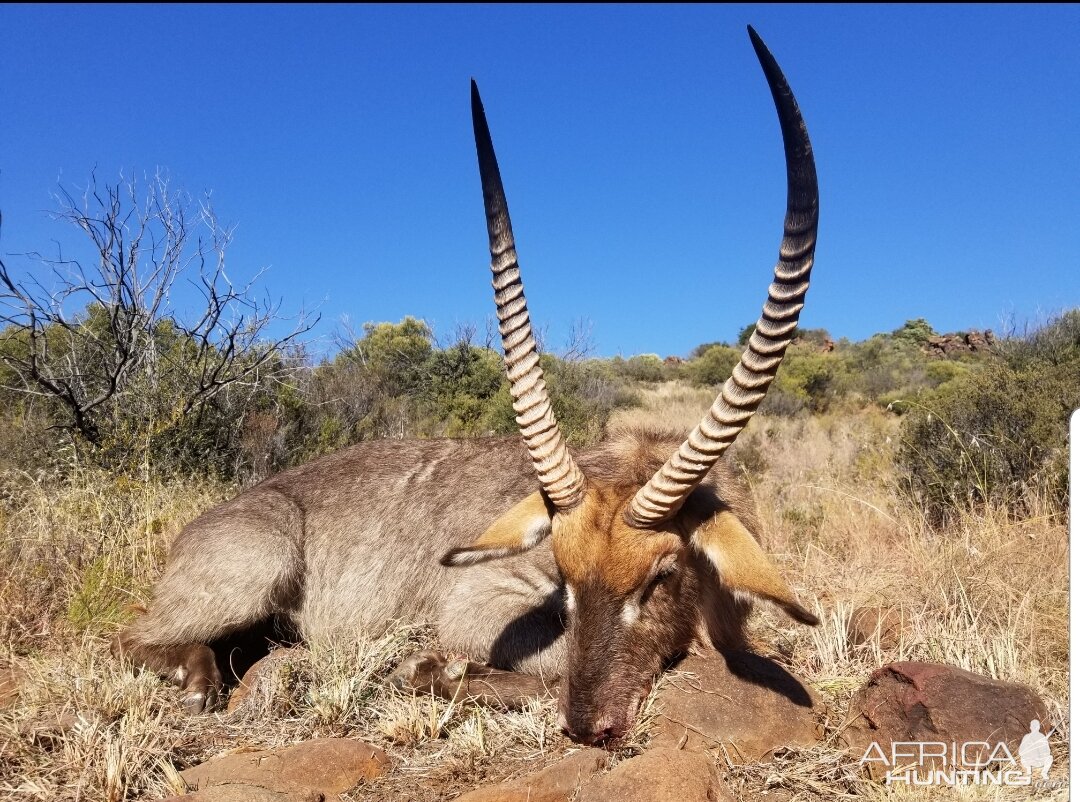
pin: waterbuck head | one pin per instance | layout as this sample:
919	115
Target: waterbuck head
637	547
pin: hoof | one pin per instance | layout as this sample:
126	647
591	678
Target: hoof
200	702
431	672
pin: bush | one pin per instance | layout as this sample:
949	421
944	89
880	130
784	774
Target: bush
914	332
583	396
645	368
395	381
814	379
998	434
713	365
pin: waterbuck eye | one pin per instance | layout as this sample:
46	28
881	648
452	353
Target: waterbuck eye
667	566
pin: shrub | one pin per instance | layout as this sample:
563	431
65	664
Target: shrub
645	368
712	366
914	332
583	396
814	379
124	379
998	434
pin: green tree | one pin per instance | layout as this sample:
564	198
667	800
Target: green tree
914	332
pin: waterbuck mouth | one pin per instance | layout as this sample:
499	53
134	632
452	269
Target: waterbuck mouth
606	728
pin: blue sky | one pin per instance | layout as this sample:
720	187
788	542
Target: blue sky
638	145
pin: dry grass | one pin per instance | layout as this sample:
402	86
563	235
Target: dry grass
989	594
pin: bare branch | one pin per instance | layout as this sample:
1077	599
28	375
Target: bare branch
102	339
579	341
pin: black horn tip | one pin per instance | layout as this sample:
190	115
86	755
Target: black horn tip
763	54
477	104
479	119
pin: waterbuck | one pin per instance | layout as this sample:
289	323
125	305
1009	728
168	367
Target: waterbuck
589	569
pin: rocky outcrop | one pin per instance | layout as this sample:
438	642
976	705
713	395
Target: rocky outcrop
947	344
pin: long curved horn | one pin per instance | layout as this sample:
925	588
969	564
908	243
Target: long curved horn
743	391
560	477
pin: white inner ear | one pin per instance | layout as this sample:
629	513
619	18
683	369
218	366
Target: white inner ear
742	595
715	555
571	600
719	561
536	531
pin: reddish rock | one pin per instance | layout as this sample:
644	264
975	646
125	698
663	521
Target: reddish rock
746	703
946	344
660	775
883	626
557	783
327	765
927	702
247	793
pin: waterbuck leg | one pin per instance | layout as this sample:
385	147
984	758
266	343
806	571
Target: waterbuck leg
459	679
235	567
191	666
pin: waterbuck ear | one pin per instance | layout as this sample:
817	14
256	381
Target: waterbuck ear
516	530
743	565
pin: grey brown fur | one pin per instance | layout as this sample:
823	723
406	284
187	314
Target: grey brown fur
350	543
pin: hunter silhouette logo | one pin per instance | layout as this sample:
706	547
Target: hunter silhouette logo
1034	751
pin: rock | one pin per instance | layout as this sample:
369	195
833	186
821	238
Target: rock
927	702
559	782
262	673
12	678
660	775
247	793
946	344
883	626
746	703
329	766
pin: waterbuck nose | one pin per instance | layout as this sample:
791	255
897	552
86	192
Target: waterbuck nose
595	734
